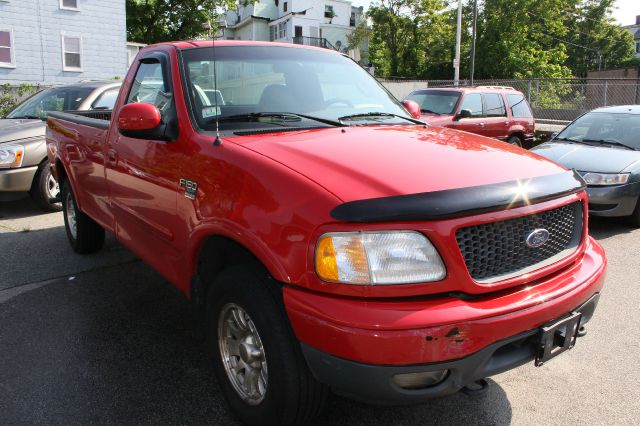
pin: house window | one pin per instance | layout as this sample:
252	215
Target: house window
282	30
69	4
272	32
7	59
284	6
328	11
71	53
352	20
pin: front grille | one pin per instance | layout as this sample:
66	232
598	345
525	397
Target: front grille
498	250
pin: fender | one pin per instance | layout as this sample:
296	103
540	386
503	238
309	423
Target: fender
232	231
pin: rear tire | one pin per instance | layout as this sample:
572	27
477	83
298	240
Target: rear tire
85	235
45	187
515	140
257	359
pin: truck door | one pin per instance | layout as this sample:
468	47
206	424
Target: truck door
475	123
143	174
496	121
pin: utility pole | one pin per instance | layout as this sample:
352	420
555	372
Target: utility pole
473	45
456	61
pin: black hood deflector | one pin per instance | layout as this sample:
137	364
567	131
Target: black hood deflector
453	203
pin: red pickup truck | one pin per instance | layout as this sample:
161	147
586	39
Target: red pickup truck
325	238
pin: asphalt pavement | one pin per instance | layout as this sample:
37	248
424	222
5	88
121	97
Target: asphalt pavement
103	339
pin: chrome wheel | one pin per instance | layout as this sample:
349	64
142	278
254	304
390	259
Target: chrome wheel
70	212
52	187
242	354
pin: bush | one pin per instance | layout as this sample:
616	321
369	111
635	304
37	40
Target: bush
10	96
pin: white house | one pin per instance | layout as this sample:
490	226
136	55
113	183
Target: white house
62	41
324	23
635	31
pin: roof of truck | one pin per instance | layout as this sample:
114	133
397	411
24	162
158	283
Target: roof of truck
190	44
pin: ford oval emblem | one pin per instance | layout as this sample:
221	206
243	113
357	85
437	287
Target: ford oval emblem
537	238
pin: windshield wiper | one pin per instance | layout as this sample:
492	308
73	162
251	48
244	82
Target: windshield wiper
428	111
379	114
608	142
285	116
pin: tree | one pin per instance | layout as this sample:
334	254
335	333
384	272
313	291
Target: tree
153	21
518	39
407	34
597	41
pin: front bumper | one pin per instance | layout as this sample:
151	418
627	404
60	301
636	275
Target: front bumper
17	180
376	384
617	200
436	330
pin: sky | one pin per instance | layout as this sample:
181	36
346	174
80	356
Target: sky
625	14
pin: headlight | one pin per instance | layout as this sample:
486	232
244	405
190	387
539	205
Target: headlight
11	155
605	178
378	258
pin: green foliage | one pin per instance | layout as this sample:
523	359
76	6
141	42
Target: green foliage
154	21
10	96
515	39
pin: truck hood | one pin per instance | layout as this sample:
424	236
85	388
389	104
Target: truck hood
368	162
588	158
11	130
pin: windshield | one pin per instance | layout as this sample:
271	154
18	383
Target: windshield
604	127
436	101
254	81
55	99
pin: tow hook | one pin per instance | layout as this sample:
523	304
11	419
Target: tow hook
477	388
582	332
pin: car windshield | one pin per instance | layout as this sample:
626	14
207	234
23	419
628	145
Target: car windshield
604	128
269	86
436	101
54	99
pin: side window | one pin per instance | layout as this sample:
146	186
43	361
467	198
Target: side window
519	106
472	102
106	100
494	105
148	86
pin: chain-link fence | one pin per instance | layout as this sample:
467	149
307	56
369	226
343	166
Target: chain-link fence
550	99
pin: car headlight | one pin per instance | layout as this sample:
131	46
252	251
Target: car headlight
11	155
605	178
378	258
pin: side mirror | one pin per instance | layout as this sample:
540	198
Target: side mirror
412	108
139	120
463	113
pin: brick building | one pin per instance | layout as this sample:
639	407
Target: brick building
62	41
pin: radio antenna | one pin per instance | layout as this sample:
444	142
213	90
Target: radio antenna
218	141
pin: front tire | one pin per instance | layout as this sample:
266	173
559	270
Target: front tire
257	359
45	187
84	234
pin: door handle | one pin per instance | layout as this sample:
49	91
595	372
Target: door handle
112	156
481	124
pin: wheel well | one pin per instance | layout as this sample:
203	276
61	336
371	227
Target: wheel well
518	134
217	254
61	172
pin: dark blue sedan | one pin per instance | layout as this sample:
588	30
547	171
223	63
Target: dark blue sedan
604	147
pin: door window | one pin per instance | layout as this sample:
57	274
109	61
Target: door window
519	106
494	105
148	86
473	102
106	100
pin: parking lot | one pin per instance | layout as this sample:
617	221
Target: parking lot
104	339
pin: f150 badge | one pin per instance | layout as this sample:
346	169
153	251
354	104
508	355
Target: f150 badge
190	188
